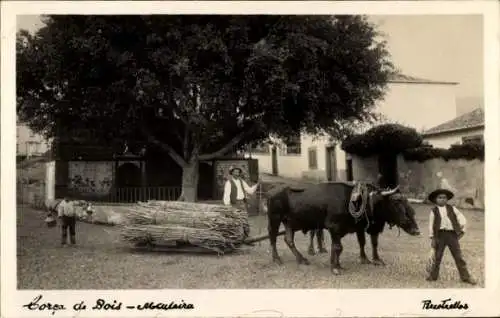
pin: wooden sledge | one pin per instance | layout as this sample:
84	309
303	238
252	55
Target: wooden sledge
196	249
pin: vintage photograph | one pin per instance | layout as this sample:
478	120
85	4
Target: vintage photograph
250	151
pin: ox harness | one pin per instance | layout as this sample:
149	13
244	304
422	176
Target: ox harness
360	192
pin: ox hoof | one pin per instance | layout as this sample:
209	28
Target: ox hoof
278	261
365	261
323	251
378	262
336	271
304	261
311	251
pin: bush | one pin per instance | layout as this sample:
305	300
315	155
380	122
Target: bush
422	154
466	151
388	138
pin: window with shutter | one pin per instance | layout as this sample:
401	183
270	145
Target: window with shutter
293	145
312	158
476	139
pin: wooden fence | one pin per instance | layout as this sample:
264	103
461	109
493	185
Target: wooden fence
123	195
144	194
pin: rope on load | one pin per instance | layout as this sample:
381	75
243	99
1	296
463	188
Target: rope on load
360	189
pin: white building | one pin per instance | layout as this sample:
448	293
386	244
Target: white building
467	128
409	101
29	143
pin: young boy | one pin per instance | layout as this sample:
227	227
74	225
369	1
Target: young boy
446	227
66	212
90	211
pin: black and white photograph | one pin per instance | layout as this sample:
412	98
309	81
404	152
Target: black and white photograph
222	150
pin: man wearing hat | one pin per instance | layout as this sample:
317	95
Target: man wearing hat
446	227
236	189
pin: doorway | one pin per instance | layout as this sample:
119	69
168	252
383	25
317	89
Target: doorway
349	172
128	175
331	163
388	168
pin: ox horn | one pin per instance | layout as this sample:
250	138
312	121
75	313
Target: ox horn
389	192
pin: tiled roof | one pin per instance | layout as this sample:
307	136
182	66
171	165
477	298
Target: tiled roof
401	78
472	119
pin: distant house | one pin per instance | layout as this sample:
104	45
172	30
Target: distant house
467	128
30	144
409	101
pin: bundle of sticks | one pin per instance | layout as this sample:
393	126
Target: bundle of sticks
165	223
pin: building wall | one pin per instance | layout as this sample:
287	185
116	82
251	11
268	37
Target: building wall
28	143
297	166
446	140
91	177
365	168
420	106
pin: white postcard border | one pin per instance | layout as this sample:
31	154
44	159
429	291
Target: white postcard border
264	303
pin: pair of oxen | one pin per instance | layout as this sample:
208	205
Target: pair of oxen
330	206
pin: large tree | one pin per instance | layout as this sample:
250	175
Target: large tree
199	86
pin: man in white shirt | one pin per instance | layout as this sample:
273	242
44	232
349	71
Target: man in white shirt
66	212
235	192
236	189
446	227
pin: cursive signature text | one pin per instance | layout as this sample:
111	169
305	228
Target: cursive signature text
164	306
36	304
444	304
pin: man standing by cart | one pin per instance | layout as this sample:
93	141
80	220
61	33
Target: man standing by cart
236	190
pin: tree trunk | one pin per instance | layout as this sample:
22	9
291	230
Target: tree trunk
190	176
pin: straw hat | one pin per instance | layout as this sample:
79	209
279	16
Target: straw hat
444	188
433	195
232	169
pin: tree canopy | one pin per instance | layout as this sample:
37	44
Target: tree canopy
199	86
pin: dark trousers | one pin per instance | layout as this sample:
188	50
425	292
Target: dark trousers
68	223
450	239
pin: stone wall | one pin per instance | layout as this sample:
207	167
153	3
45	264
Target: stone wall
31	194
418	179
30	183
90	177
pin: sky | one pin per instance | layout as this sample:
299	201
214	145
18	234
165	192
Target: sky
439	47
434	47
